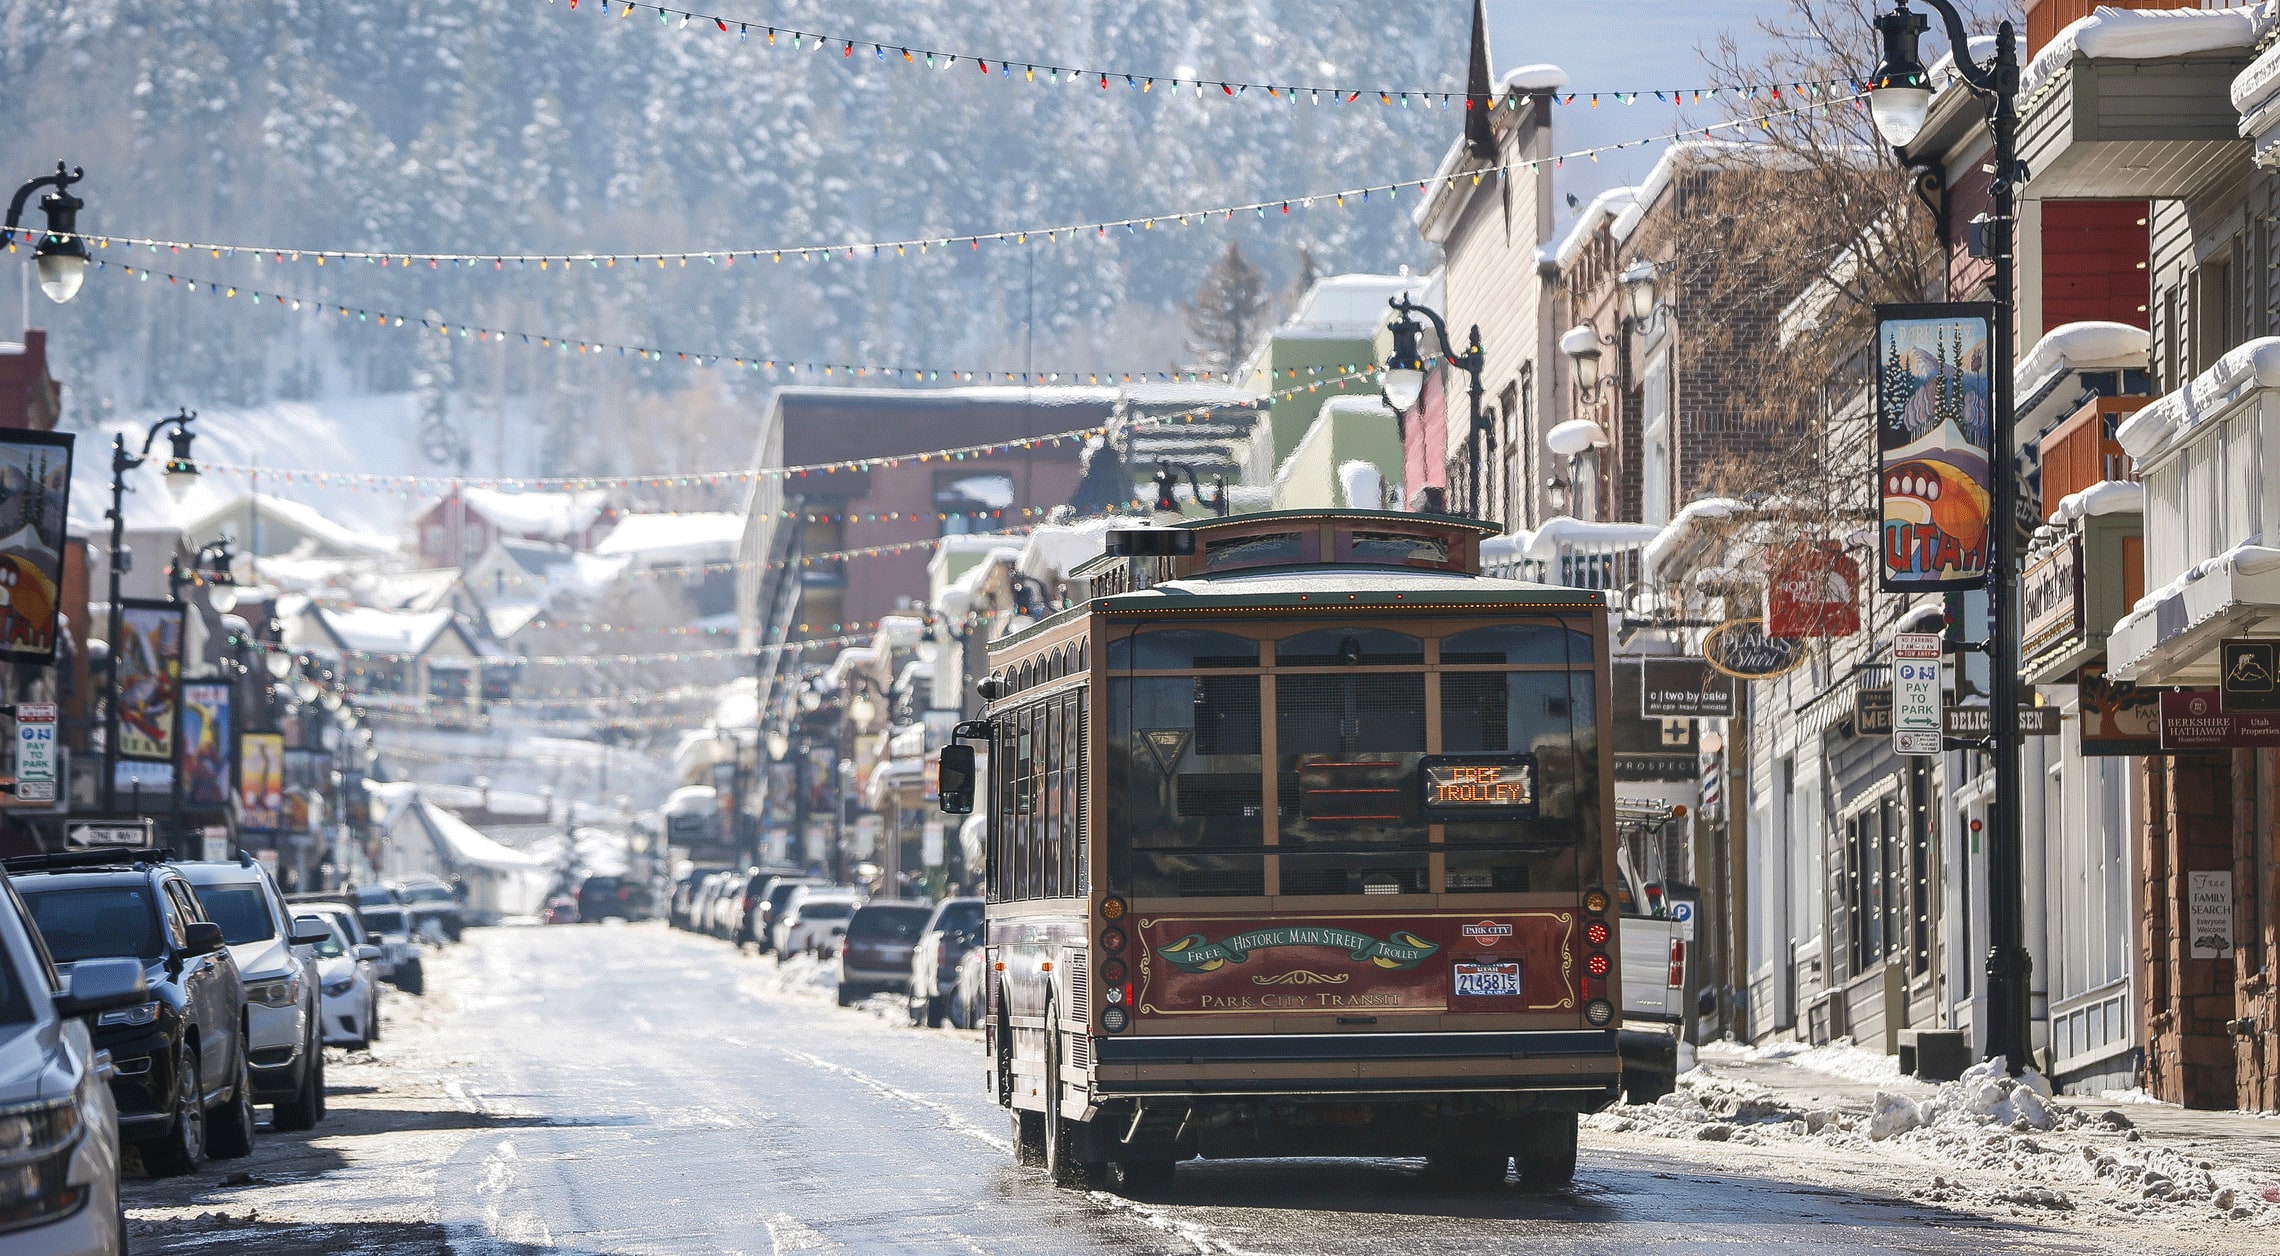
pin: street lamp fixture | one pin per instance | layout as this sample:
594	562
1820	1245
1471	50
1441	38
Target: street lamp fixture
61	254
1403	381
181	469
210	567
1167	476
1638	284
279	663
1900	97
1582	344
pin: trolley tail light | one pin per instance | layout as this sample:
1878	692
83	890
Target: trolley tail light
1596	933
1598	964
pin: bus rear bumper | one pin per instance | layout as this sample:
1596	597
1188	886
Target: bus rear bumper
1581	1067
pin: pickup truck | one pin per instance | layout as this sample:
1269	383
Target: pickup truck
1653	949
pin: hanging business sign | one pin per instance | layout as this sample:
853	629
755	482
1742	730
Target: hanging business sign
1741	649
2050	596
2246	679
1684	688
150	671
1814	592
1932	440
2118	717
2193	720
1917	723
2209	914
261	782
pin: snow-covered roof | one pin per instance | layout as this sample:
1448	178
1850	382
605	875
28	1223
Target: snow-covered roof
2255	364
421	590
2106	497
1056	549
1537	77
701	536
240	514
1675	535
1599	209
692	800
504	620
373	631
552	516
462	843
2088	346
1564	532
1187	393
2144	34
1347	306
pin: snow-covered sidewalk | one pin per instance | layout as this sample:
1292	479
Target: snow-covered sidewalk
1985	1143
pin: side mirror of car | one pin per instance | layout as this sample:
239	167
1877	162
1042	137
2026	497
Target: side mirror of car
202	937
956	779
367	951
308	931
99	985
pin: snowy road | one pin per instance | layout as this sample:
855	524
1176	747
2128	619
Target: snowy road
633	1090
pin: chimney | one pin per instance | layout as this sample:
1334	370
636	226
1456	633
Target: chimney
2046	18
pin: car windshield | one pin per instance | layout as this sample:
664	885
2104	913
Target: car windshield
96	922
384	919
241	910
887	924
959	914
426	894
829	909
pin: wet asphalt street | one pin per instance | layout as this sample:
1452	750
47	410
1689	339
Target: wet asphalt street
634	1090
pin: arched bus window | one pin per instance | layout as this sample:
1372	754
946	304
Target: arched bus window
1349	647
1026	677
1511	644
1181	649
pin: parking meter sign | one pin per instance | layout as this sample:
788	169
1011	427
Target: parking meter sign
1916	718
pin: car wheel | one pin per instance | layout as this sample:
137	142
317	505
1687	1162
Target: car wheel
934	1011
372	1019
183	1147
229	1129
846	994
323	1106
412	978
306	1107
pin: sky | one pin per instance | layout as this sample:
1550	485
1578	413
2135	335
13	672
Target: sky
1611	46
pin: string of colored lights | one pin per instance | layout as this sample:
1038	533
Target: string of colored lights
851	249
862	633
1028	71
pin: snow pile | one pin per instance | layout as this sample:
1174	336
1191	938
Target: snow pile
1838	1058
1986	1094
807	975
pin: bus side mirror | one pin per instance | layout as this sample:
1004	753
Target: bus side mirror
956	779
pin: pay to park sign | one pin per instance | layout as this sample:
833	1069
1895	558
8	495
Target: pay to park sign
1917	725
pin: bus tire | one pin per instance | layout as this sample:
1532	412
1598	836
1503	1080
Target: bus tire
1062	1135
1546	1157
1142	1179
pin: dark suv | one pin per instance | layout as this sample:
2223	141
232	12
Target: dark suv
179	1058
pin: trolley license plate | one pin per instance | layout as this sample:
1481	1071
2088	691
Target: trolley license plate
1493	980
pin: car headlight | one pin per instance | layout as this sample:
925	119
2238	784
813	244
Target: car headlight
36	1144
340	987
139	1014
282	992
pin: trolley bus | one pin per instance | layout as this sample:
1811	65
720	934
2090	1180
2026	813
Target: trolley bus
1301	841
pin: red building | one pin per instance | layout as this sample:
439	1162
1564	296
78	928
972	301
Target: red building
30	398
912	499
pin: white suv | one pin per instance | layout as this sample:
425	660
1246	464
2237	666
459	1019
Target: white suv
276	957
59	1127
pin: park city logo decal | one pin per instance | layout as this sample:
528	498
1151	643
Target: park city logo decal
1488	932
1402	949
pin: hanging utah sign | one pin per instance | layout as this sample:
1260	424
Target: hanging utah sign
1740	649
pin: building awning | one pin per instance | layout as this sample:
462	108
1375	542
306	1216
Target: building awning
2171	637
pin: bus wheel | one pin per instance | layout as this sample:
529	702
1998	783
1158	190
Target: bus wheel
1546	1157
1062	1168
1468	1173
1142	1179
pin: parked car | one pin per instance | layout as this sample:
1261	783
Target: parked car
347	966
970	1006
434	907
562	909
815	922
727	911
681	909
277	961
59	1177
701	902
391	927
953	929
604	896
179	1056
747	905
876	956
768	908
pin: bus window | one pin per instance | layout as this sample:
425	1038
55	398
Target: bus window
1518	643
1182	764
1552	716
1347	746
1349	647
1181	649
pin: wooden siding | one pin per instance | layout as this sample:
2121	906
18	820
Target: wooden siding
2094	262
2133	129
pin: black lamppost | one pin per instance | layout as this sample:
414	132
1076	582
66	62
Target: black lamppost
181	469
1900	99
210	566
1168	475
60	255
1404	381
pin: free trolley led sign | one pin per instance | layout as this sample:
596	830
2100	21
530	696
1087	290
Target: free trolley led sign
1473	786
